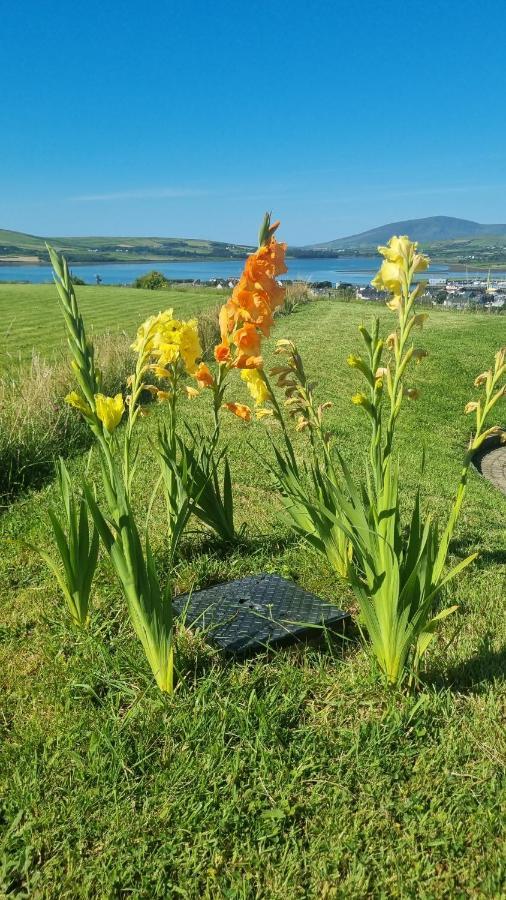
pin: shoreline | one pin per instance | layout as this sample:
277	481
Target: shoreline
37	264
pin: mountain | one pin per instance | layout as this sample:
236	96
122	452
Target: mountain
433	228
18	247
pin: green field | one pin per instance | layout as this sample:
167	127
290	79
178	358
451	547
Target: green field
295	776
30	319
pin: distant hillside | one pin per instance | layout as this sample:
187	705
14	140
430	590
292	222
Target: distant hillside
17	247
427	231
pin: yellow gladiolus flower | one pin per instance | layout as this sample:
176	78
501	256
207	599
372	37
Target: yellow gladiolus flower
191	392
395	303
471	407
389	277
160	371
148	333
167	353
189	345
166	340
420	262
109	410
401	250
74	399
256	386
397	249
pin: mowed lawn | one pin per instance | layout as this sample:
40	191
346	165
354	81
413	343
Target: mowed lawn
30	318
296	775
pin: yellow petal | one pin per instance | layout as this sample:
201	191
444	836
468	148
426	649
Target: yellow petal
74	399
109	410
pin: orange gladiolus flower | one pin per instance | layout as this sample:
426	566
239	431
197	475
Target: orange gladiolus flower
247	362
204	376
240	410
222	353
247	340
248	315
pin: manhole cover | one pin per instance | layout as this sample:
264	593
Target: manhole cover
255	613
491	462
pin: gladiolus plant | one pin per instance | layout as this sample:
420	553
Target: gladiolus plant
245	320
164	347
397	572
78	550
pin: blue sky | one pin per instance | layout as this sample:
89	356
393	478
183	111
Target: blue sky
190	119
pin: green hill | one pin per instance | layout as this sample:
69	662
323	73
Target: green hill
18	247
427	231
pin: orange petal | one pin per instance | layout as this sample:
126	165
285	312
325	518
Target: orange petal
203	375
240	410
222	353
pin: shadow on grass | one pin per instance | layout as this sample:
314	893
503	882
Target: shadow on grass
474	675
206	544
464	546
26	469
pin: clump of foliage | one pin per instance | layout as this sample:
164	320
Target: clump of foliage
152	281
77	547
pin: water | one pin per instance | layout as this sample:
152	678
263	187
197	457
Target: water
355	270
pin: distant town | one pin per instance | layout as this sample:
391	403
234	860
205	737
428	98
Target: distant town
456	293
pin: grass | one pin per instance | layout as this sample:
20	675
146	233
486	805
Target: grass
36	426
31	320
296	775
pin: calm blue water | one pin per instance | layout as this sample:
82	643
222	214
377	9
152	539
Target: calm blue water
354	270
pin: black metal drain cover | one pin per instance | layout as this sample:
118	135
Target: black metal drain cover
255	613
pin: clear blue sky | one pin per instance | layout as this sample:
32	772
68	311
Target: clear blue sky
190	118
